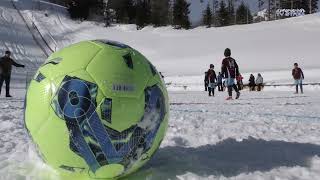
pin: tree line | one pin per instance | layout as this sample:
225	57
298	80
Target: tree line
140	12
176	12
225	13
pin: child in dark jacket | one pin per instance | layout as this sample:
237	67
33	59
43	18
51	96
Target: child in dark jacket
212	77
298	77
206	81
252	83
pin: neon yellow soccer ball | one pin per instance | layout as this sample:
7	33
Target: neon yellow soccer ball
96	110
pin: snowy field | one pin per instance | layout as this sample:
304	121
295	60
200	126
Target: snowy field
268	47
269	135
272	135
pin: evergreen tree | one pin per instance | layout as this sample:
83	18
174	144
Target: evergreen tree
143	12
131	10
106	13
170	12
306	5
214	12
79	9
125	11
223	15
159	12
244	15
314	6
181	14
207	16
231	11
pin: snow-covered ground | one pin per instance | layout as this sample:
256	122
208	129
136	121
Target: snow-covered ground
270	48
272	135
267	135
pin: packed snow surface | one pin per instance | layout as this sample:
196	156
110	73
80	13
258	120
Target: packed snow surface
267	135
272	134
270	48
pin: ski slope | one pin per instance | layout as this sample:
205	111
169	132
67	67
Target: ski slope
271	135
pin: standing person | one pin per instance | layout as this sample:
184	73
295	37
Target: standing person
206	81
240	82
252	82
259	82
219	79
6	64
298	77
212	77
230	71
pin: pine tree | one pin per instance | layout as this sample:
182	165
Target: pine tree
314	6
207	16
181	14
143	11
106	13
223	15
214	12
79	9
231	11
244	15
170	12
159	12
125	10
131	10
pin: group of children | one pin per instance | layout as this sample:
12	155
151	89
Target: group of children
230	78
255	82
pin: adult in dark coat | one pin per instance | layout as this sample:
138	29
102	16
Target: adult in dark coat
6	64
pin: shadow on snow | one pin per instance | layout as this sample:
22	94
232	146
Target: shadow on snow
227	158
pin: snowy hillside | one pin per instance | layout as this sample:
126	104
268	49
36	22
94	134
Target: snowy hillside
270	48
271	135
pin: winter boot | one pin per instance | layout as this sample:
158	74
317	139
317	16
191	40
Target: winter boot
238	95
